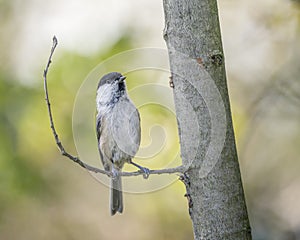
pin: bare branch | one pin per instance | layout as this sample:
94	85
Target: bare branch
180	169
57	140
75	159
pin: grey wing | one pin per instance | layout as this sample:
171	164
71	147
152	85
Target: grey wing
127	131
136	129
99	128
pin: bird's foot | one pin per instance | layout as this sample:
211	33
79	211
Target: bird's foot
146	171
114	173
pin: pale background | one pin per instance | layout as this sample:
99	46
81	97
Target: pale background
45	196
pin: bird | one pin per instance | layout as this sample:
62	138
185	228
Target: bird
118	133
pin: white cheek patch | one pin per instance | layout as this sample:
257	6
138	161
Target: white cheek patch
105	94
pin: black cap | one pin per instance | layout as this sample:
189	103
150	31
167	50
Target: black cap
110	78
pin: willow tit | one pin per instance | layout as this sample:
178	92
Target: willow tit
118	132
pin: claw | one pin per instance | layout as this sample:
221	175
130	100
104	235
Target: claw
146	171
114	173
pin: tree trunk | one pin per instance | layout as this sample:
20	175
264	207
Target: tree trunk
214	188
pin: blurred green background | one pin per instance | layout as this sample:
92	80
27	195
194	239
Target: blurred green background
45	196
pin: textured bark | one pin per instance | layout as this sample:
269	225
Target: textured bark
214	188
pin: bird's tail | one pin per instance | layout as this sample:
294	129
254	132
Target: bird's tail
116	196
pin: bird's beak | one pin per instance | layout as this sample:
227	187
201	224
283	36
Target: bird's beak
122	79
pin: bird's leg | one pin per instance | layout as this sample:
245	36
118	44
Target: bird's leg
114	172
146	171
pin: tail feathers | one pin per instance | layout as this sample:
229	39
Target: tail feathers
116	196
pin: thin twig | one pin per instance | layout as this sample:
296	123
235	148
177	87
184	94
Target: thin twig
180	169
75	159
57	140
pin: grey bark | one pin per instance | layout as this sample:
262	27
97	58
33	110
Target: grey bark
214	188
